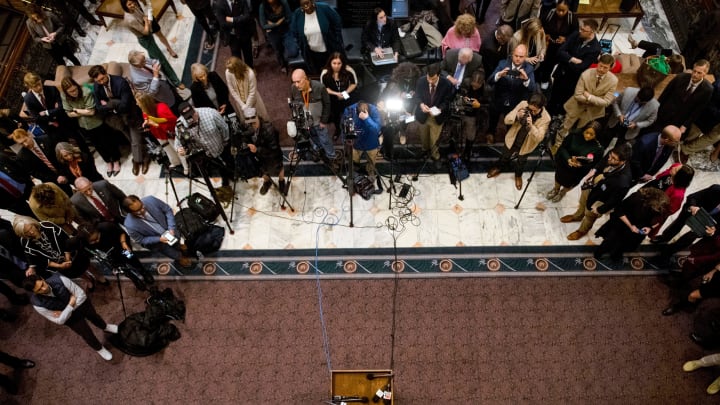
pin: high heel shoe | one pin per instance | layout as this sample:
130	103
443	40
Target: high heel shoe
172	53
633	42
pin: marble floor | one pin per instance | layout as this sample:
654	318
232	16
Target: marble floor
433	217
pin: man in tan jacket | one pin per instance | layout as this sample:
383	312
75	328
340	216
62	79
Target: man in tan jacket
593	93
529	122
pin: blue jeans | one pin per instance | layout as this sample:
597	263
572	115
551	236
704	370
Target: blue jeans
321	138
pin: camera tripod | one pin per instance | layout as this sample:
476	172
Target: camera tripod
451	133
303	150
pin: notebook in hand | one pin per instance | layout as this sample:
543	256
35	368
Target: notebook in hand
699	221
388	57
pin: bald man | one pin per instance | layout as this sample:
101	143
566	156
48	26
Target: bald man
514	81
100	201
311	94
651	152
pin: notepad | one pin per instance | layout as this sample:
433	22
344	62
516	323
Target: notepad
388	57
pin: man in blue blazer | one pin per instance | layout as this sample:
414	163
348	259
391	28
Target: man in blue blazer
514	81
651	151
147	223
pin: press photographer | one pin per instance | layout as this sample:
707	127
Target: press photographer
202	133
529	122
471	107
263	140
361	123
315	100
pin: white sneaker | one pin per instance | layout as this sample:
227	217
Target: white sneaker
111	328
105	354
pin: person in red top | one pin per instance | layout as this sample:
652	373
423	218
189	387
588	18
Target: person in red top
673	181
160	121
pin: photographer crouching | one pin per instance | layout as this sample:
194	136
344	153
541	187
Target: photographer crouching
530	122
362	123
203	131
263	140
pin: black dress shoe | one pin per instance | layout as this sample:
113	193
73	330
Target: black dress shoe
697	339
20	299
136	168
145	167
26	363
671	310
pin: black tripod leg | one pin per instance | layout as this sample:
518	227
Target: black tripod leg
530	179
122	299
214	195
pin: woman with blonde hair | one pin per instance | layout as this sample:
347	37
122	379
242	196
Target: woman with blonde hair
464	34
160	121
209	90
242	85
532	35
78	102
75	163
49	203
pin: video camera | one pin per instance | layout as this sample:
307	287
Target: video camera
300	124
348	127
185	122
461	104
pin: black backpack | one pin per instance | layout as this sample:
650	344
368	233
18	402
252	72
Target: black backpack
198	233
204	206
364	186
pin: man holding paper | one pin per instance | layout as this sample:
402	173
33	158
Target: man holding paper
433	95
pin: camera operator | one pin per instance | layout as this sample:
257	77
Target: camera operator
264	141
361	121
316	101
114	243
400	90
530	122
474	109
203	130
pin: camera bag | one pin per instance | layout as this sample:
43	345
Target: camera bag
204	206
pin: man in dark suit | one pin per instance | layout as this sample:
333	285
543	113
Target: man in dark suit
684	99
114	99
494	47
148	222
43	105
607	186
433	94
38	158
651	152
580	50
99	201
236	27
459	65
514	81
707	199
15	186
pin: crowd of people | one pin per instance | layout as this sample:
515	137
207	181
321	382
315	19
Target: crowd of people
538	66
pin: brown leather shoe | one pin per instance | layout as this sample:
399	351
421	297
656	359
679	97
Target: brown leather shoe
569	218
145	167
185	262
494	171
136	168
518	182
576	235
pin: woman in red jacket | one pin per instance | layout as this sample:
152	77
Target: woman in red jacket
160	121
